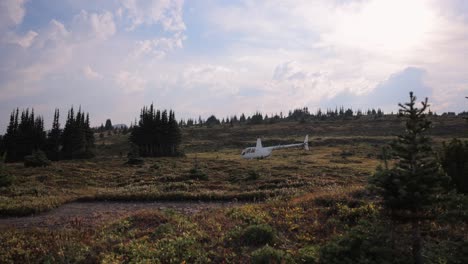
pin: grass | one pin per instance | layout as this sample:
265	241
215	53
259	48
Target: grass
219	175
313	200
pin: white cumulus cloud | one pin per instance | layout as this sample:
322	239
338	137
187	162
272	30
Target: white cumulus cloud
91	74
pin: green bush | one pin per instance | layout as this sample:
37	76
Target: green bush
197	174
36	159
258	235
253	175
269	255
5	178
135	161
308	254
454	160
365	243
134	156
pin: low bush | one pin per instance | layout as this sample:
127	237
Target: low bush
36	159
253	175
197	174
454	160
269	255
365	243
258	235
308	254
135	161
5	178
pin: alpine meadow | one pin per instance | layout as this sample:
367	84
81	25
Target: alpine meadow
172	131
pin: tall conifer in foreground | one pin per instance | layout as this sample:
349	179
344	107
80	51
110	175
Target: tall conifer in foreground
412	187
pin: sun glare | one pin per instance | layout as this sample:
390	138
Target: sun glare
389	25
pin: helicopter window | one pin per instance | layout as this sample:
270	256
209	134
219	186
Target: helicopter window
243	153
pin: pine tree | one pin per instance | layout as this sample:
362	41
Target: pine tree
53	138
157	133
108	125
411	188
24	135
77	137
242	118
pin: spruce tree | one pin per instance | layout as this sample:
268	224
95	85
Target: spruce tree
53	138
157	133
412	187
77	137
108	125
24	135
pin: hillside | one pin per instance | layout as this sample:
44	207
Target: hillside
303	202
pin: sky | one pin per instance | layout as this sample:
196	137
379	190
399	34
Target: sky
226	57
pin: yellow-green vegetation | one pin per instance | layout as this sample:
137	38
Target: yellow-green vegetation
233	234
324	228
314	205
221	175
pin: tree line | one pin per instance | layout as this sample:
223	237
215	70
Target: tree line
157	133
25	134
299	114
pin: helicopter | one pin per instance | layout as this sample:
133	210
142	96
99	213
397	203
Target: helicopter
260	152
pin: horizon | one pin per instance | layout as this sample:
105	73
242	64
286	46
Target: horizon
202	58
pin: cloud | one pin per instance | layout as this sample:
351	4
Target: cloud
388	93
130	82
212	78
223	57
100	26
24	41
11	13
90	74
168	13
158	47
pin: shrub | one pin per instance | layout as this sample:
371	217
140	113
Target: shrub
135	161
454	160
197	174
365	243
258	235
308	254
36	159
134	156
155	166
269	255
5	178
253	175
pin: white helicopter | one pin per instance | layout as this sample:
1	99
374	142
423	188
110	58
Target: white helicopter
259	152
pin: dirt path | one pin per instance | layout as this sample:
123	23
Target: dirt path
92	214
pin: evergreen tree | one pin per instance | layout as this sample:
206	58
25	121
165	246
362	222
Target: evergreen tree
77	137
24	135
54	138
212	121
412	187
157	133
242	118
108	125
455	162
200	121
2	146
257	118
